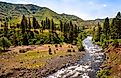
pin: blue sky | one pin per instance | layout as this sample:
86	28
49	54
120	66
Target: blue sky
85	9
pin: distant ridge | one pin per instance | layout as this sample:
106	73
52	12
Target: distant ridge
11	10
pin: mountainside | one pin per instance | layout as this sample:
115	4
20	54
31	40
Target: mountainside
13	11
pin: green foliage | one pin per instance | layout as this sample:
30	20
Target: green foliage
103	73
4	43
97	34
106	28
13	11
35	23
109	33
79	44
115	42
31	29
24	24
116	27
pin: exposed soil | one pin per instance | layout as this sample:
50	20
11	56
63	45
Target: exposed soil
113	61
10	67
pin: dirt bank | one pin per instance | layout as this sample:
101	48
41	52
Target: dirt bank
30	65
112	65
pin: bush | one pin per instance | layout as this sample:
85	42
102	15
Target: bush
115	42
4	43
81	48
73	50
103	73
69	50
56	45
22	51
1	49
50	51
60	45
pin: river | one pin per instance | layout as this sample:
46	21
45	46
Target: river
87	67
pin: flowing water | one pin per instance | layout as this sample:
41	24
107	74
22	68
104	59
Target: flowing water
87	66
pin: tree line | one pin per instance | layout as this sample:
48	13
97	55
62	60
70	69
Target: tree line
33	32
109	32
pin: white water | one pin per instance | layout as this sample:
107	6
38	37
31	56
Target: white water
87	66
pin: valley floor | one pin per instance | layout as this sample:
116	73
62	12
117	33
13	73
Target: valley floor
35	60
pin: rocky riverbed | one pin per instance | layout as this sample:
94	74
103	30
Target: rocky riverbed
87	66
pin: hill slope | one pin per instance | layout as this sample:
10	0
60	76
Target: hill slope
10	10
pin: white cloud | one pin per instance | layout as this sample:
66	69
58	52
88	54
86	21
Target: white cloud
104	5
3	0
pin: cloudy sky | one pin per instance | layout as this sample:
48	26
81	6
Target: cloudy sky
85	9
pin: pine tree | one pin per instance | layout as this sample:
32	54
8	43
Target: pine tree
106	28
29	25
52	26
43	26
113	29
75	31
35	23
71	32
25	39
24	24
98	33
61	26
6	29
116	27
65	32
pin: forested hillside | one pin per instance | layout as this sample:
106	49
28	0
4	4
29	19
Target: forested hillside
11	12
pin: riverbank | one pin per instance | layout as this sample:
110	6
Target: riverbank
111	68
87	66
35	61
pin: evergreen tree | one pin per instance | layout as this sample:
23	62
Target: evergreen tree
71	32
61	26
66	30
52	26
35	23
113	29
6	29
24	24
29	25
43	26
15	39
106	28
98	33
93	33
25	39
75	31
116	27
119	25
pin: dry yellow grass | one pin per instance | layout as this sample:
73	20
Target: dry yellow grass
37	57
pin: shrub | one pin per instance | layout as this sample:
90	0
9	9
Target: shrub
56	45
81	48
103	73
50	51
4	43
60	45
73	50
22	51
115	42
69	50
54	51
